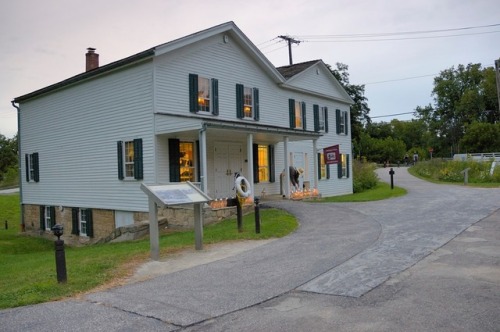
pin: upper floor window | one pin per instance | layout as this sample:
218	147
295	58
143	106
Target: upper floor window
32	167
297	113
203	95
247	102
130	159
342	119
320	118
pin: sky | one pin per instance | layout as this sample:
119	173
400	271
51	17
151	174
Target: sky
44	42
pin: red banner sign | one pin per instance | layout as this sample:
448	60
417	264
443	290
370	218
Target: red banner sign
331	154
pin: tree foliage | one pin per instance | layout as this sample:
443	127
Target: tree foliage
8	153
462	96
481	137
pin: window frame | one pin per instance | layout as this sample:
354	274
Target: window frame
342	118
299	121
248	103
126	173
204	109
83	223
32	167
48	218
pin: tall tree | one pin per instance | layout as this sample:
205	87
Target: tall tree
8	153
462	96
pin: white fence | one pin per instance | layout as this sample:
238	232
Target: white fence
495	156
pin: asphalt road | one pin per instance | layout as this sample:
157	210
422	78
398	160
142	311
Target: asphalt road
428	261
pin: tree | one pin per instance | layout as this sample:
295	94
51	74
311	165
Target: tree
462	96
359	110
482	137
8	153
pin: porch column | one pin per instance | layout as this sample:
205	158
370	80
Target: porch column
203	157
250	163
315	163
286	180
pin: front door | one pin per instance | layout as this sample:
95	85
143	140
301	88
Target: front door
227	161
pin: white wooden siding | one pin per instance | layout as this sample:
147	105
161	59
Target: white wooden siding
75	131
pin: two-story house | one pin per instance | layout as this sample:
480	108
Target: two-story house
199	108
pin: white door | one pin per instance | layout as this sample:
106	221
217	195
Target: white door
299	161
227	161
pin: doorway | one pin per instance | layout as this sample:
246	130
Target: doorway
227	161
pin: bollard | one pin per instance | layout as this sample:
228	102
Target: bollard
391	172
239	215
6	224
257	215
60	254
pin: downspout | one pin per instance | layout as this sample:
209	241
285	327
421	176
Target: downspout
20	173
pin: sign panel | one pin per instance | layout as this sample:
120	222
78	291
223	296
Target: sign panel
175	194
331	154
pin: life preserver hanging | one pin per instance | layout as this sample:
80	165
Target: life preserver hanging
243	186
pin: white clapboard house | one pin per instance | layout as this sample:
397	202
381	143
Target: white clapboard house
199	109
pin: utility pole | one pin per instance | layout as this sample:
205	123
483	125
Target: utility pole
290	41
497	73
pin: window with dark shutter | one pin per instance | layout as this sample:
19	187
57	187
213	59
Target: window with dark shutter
52	210
90	223
272	174
319	166
316	117
138	164
36	168
304	126
74	222
239	101
255	162
42	217
173	160
193	93
119	152
291	111
215	96
337	120
326	119
256	112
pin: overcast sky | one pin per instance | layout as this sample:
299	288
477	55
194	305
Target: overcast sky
44	42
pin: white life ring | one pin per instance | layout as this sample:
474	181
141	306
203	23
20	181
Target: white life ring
240	180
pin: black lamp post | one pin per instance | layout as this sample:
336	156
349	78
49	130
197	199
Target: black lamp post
60	254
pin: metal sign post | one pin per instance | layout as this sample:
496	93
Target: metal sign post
170	195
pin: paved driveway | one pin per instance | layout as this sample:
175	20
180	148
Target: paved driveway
341	251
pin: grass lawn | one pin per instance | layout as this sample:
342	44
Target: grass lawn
381	191
28	274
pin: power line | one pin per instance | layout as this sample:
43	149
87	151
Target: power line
390	115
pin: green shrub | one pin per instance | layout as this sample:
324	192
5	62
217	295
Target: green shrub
364	176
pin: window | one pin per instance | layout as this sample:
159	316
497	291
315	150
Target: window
203	95
82	223
186	153
323	168
130	159
263	163
320	118
343	166
47	217
32	167
342	118
247	102
297	111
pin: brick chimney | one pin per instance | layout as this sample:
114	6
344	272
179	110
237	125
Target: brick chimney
92	59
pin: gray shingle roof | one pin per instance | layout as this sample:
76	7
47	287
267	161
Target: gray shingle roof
292	70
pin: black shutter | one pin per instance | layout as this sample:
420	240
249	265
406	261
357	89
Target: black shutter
255	162
52	216
42	217
27	162
319	166
138	164
215	96
256	112
327	171
291	111
239	101
326	120
119	152
198	161
174	156
193	93
304	125
337	120
272	175
90	223
74	222
36	167
316	117
346	125
347	165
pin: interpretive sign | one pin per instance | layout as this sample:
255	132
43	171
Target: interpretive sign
174	194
